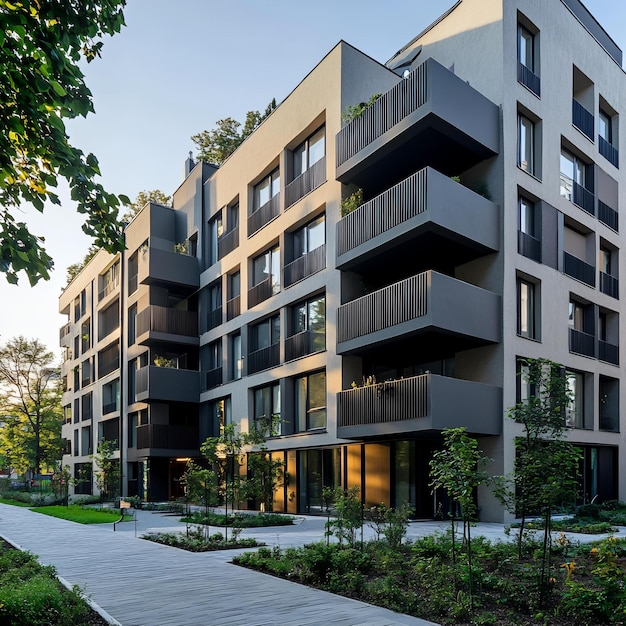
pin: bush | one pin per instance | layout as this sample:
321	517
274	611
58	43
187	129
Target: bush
195	541
30	594
239	520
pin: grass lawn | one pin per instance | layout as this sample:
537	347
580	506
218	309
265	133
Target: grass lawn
76	513
13	502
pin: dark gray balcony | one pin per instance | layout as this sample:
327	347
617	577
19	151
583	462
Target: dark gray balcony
579	269
433	117
529	246
64	336
608	215
167	384
305	183
153	438
608	151
582	343
447	222
609	285
162	267
422	403
264	358
304	343
458	314
608	352
161	324
214	318
214	378
583	198
233	308
582	119
306	265
264	215
227	242
528	78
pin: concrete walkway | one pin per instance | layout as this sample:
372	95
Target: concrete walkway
141	583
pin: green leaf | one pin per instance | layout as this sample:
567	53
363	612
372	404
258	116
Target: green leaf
58	89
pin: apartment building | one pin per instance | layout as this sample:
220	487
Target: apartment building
488	233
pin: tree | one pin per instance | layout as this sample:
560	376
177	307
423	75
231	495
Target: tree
30	405
546	466
457	469
143	197
108	469
41	84
218	144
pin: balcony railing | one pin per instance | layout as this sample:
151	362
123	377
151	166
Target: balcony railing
391	108
608	216
233	308
106	366
170	384
108	289
418	403
528	78
581	342
608	352
608	151
582	119
162	319
306	265
110	407
609	285
64	332
227	242
214	318
577	268
304	343
167	437
264	358
391	208
264	215
132	283
306	182
386	307
260	292
529	246
214	378
584	198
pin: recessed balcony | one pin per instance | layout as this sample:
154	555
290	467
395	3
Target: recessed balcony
449	223
162	267
422	403
458	315
157	324
433	117
152	438
166	384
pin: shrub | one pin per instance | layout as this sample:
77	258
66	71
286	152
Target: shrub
352	202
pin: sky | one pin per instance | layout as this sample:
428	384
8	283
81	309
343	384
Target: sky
177	68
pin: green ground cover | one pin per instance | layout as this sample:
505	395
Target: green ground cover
76	513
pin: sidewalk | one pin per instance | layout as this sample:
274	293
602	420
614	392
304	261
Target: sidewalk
141	583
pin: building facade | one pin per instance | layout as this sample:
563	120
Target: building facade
486	178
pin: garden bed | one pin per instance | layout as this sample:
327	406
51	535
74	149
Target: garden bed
196	540
30	593
585	583
239	520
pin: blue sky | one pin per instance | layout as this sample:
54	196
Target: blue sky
178	67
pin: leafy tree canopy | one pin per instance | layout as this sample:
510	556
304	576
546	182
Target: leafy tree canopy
30	405
41	84
216	145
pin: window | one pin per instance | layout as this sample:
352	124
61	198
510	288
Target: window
109	280
85	432
609	283
528	57
264	345
574	412
220	415
529	229
233	304
75	446
108	360
67	414
310	402
608	390
109	320
526	144
214	364
527	316
577	181
604	127
307	328
133	269
309	152
111	397
132	324
267	410
76	410
236	360
526	48
87	406
133	422
526	378
267	189
214	317
607	133
265	276
310	237
216	229
581	328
